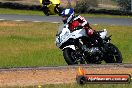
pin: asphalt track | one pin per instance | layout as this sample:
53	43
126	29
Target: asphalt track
57	19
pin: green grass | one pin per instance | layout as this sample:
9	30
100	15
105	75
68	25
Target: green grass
74	85
32	44
20	12
28	44
89	86
30	12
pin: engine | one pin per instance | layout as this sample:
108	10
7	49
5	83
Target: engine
94	50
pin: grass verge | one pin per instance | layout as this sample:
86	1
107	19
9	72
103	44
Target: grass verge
89	86
30	12
20	12
74	85
32	44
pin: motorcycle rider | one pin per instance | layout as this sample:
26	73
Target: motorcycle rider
45	2
68	17
45	8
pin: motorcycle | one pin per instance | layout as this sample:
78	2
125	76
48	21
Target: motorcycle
78	48
52	8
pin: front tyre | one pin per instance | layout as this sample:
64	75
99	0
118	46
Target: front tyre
68	56
113	54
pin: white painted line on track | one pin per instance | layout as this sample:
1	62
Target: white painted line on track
113	25
19	20
2	19
36	21
55	22
95	24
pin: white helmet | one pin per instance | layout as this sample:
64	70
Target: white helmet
67	15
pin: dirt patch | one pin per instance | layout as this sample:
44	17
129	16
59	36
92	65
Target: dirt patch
51	76
9	24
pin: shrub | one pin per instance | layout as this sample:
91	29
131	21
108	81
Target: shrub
83	6
124	4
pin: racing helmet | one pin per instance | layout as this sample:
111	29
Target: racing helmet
67	15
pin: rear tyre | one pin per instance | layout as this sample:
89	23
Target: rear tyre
113	54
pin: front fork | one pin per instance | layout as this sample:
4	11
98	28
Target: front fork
82	45
80	52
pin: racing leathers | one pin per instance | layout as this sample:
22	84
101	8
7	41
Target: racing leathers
81	21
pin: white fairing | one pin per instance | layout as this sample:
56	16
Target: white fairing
103	34
70	46
65	34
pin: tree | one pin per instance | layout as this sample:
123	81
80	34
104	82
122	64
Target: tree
83	6
125	5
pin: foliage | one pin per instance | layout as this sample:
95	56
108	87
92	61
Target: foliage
124	4
84	6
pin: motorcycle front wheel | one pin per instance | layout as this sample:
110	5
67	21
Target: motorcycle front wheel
73	57
68	56
113	54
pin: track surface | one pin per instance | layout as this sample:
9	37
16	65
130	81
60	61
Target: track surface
109	21
53	75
